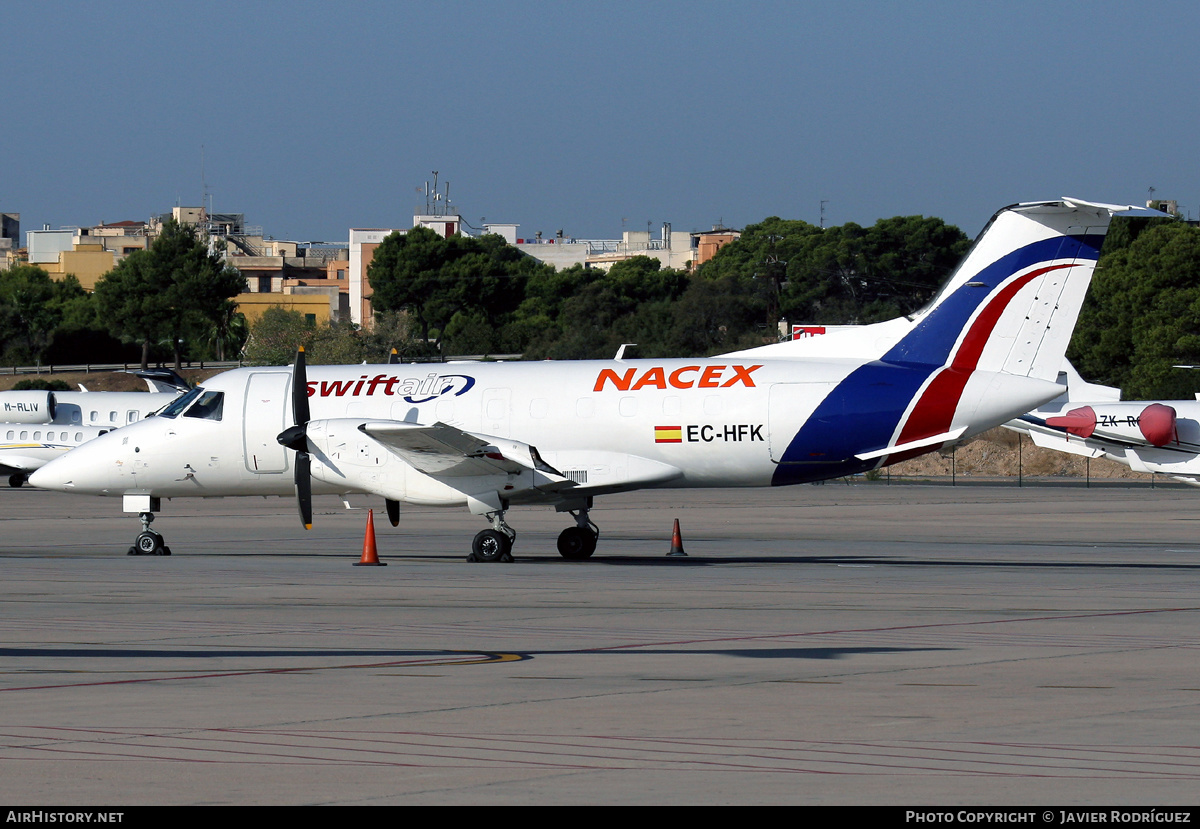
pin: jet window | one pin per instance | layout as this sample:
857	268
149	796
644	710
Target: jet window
37	435
179	404
112	417
79	436
24	435
208	406
12	434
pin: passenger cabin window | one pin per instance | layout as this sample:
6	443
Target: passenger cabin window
12	434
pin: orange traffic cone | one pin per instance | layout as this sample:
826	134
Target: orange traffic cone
676	542
370	557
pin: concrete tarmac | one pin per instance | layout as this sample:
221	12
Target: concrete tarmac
866	644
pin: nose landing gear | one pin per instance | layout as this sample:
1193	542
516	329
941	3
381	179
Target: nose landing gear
148	542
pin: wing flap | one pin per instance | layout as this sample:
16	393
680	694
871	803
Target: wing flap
443	451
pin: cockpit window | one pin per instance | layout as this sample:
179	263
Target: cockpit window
208	406
179	404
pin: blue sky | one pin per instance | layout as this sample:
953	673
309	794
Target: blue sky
592	118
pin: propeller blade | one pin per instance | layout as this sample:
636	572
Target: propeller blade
300	390
304	489
294	437
393	511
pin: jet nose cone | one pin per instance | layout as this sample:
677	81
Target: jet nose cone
54	475
86	468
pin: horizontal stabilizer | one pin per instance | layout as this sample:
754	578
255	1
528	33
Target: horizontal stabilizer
945	437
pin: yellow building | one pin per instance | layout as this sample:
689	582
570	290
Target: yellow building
317	307
88	262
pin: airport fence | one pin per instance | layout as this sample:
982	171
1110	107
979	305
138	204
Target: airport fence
88	368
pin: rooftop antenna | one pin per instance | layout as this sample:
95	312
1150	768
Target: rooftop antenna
205	196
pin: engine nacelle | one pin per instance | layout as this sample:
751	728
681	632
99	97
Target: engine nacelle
26	406
1136	422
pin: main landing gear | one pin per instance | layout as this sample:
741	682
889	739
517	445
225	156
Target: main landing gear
494	544
574	543
148	542
578	542
17	480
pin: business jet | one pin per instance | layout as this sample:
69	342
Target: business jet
493	436
41	425
1148	436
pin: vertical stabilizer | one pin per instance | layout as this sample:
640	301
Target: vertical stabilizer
1012	304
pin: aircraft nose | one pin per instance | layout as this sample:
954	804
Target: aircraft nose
83	469
59	474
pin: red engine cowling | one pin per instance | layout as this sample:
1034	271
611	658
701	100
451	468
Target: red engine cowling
1157	423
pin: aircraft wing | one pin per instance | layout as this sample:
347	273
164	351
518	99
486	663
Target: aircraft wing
443	451
21	463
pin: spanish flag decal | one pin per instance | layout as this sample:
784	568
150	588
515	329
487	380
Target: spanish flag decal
668	434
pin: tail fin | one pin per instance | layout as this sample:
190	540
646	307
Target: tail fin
1012	304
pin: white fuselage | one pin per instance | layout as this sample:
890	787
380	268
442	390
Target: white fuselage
607	426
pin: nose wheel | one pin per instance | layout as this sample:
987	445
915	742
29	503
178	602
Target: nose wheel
148	542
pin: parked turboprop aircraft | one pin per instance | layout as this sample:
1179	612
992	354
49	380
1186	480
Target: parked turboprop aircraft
41	425
490	436
1146	435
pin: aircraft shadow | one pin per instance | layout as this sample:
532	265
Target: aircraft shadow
856	561
270	653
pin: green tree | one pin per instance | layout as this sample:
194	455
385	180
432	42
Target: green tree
843	274
33	307
174	287
1142	315
275	336
480	280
